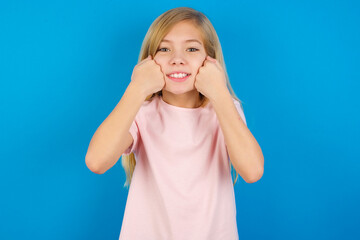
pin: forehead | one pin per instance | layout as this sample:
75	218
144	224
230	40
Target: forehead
184	31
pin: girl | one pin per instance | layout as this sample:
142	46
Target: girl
179	127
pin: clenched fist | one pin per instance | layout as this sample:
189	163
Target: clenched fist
148	76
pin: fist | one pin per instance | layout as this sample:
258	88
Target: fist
210	79
148	76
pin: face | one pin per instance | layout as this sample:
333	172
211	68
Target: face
181	51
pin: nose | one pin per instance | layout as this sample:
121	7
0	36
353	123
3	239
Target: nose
177	58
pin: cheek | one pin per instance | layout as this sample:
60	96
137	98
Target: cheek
197	63
159	59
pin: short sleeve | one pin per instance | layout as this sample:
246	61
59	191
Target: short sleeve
134	131
240	111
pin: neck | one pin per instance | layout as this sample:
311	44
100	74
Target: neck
190	99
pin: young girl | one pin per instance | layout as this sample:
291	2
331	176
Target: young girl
179	127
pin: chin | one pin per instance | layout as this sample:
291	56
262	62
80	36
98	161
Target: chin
178	90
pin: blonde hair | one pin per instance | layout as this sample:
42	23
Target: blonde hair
156	32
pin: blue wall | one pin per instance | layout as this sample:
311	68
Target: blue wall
64	66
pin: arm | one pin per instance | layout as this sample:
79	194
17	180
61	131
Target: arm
111	138
244	151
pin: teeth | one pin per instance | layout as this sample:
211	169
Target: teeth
178	75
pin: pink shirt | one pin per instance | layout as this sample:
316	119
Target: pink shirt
181	188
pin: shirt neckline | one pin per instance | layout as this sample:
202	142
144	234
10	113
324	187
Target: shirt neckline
169	106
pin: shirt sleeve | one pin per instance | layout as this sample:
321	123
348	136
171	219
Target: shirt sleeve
134	131
240	111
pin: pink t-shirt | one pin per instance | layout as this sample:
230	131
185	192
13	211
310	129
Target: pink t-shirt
181	188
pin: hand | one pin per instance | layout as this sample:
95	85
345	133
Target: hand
210	78
148	76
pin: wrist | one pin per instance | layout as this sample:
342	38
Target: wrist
220	94
135	89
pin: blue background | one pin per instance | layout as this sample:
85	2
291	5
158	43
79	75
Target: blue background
64	66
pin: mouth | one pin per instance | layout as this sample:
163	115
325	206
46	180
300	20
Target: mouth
178	76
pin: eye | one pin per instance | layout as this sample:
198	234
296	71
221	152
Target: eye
160	50
194	49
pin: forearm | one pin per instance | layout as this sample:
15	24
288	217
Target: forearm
107	143
244	151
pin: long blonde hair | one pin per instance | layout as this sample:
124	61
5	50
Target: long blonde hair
156	32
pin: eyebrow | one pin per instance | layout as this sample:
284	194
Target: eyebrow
189	40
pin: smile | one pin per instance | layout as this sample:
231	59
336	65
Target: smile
179	76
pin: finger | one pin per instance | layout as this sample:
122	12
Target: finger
156	62
214	61
207	62
208	59
144	60
148	58
160	68
211	59
203	63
